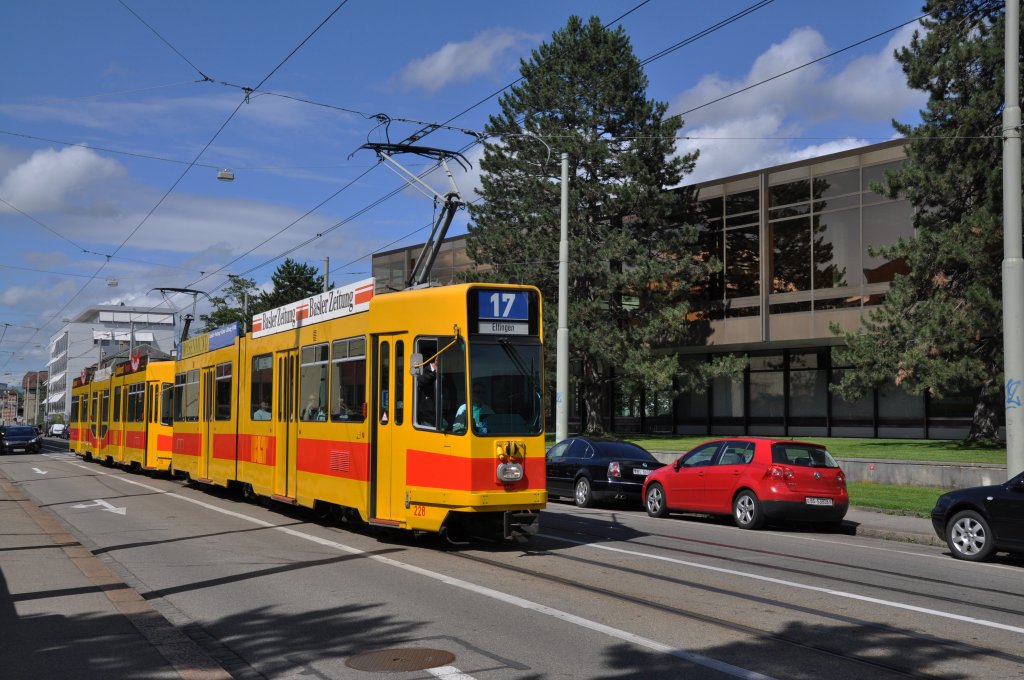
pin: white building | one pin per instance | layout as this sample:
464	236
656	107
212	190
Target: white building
98	332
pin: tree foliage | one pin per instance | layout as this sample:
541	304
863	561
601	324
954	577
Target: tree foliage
584	93
940	326
291	281
230	307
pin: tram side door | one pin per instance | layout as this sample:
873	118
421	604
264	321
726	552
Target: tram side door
206	421
381	453
286	424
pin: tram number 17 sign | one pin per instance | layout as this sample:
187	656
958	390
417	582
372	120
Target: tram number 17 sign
503	312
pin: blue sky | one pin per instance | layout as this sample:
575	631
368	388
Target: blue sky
104	108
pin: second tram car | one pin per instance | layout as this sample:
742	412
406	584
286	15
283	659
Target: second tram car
121	414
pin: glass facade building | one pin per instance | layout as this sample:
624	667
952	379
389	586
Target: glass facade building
798	247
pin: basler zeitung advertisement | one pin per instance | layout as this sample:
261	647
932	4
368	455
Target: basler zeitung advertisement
335	303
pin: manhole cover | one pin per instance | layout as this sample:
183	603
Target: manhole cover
393	660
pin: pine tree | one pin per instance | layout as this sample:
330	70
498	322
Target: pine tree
231	306
292	281
940	326
584	92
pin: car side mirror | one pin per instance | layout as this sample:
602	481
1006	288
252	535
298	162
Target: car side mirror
678	464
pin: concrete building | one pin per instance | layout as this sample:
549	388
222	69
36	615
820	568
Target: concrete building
92	336
33	386
796	241
10	402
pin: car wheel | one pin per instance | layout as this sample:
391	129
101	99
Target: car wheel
655	501
969	537
746	511
583	495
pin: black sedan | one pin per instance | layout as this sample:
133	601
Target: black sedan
19	438
589	470
981	520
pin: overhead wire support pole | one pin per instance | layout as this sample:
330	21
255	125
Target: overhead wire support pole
1013	249
562	338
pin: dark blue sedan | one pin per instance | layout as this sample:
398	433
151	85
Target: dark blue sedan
589	470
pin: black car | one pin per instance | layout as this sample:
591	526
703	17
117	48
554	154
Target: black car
981	520
589	470
19	438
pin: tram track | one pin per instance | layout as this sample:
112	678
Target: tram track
944	583
867	663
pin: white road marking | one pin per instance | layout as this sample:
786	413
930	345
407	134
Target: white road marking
816	539
449	673
794	584
38	471
654	645
102	504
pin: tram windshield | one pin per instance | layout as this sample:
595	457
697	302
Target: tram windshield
505	392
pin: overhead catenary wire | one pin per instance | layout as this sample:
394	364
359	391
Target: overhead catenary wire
709	103
185	171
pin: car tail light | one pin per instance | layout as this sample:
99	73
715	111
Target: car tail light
614	470
780	472
841	479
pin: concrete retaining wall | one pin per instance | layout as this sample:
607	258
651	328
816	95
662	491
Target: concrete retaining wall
907	473
923	473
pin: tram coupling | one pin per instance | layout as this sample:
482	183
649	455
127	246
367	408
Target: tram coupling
521	524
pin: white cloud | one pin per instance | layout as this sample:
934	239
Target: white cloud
762	126
60	181
874	83
462	61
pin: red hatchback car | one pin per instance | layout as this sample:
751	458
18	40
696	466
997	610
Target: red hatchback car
754	480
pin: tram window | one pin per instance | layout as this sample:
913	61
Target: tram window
167	404
179	398
222	409
74	410
136	401
441	388
192	395
117	404
262	396
95	406
348	379
385	382
399	382
105	406
427	386
313	382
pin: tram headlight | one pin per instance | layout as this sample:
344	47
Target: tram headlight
511	455
510	472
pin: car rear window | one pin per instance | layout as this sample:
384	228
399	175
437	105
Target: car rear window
622	451
802	455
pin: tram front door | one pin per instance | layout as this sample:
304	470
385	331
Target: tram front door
382	468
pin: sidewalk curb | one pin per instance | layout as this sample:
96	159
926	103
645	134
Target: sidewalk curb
182	653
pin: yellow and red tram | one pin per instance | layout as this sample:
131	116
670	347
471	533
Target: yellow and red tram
121	414
419	410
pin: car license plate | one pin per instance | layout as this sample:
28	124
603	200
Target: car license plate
818	501
641	472
18	449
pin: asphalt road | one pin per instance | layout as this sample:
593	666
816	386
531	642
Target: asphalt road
600	593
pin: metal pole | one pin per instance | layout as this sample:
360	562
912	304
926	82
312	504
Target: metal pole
562	358
327	271
1013	264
